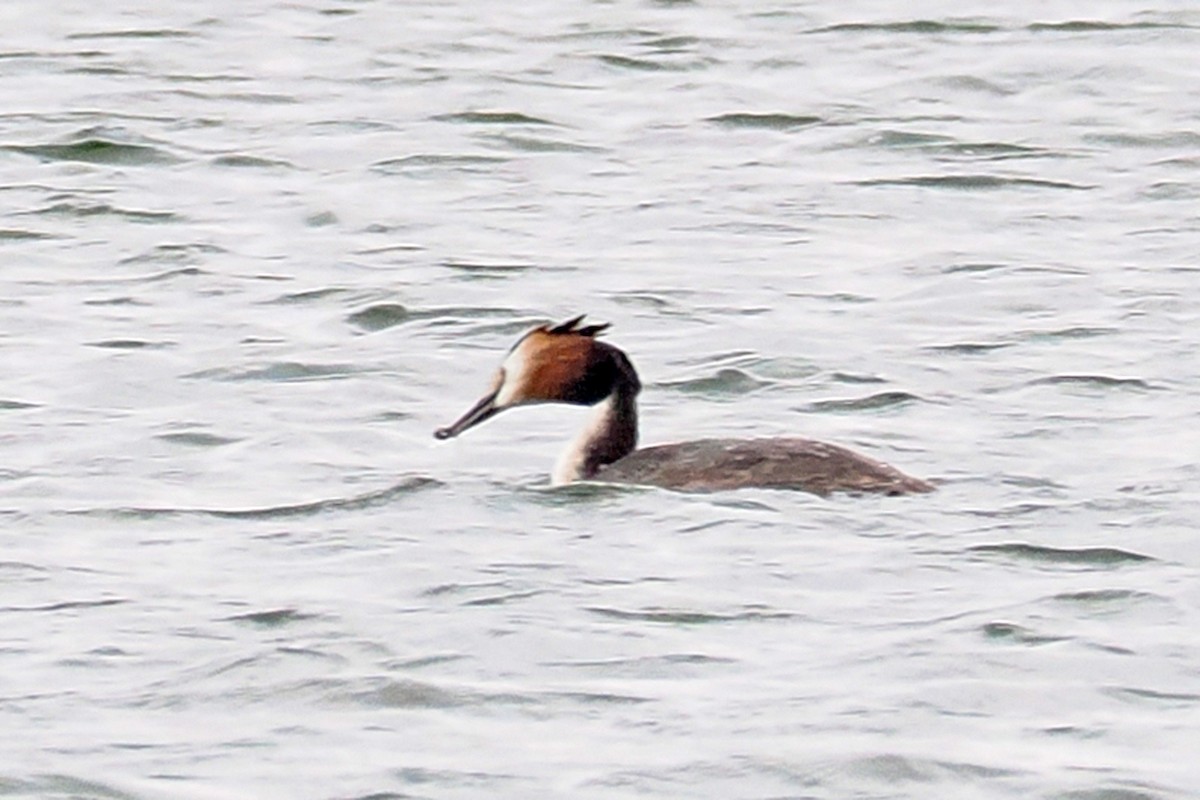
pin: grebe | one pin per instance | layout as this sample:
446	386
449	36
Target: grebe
566	364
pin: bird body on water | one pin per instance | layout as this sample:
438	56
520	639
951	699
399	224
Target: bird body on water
565	363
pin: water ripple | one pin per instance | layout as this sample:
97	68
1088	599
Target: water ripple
1094	382
197	439
873	402
67	605
503	599
969	348
910	26
727	382
134	33
282	372
974	182
681	617
1177	700
382	316
639	64
426	162
85	210
392	693
776	121
1087	556
1092	26
67	786
536	144
358	502
20	234
492	118
1012	632
275	618
128	344
98	151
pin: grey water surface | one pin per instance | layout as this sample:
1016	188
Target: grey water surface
253	254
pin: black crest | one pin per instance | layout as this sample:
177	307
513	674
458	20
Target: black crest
572	326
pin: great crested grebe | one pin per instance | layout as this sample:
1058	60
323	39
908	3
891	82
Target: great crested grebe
566	364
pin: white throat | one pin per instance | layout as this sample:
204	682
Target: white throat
573	463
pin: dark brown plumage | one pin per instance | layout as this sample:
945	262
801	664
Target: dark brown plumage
707	465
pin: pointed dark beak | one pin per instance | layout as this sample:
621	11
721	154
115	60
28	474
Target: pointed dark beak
483	410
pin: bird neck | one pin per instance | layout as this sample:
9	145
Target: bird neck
610	434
